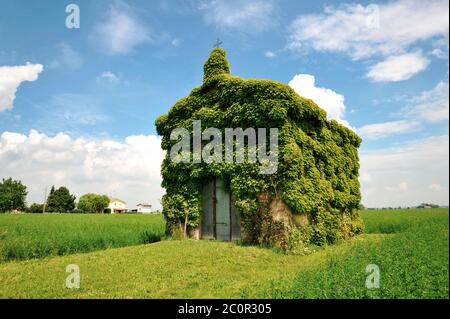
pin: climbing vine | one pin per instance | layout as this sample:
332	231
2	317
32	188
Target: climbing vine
318	163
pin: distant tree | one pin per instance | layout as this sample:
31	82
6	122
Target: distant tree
60	201
361	207
92	203
36	208
12	194
52	190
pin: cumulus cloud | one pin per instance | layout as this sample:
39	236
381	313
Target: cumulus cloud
67	58
363	31
380	130
121	31
330	101
406	175
244	16
387	30
10	79
398	68
128	169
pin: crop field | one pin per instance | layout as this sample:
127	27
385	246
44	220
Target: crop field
36	235
410	248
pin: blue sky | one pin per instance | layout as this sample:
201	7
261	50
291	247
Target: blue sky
77	106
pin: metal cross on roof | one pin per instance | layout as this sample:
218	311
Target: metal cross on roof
218	43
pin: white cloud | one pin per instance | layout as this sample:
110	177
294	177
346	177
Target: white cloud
244	16
330	101
439	53
380	130
10	79
362	32
398	68
270	54
402	175
121	31
430	106
440	48
128	169
68	58
109	77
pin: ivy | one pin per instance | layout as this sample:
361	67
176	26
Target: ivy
318	158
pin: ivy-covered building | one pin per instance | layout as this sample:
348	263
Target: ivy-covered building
312	197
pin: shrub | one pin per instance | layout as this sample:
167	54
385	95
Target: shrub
92	203
297	241
36	208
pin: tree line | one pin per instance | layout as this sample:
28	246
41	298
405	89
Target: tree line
13	198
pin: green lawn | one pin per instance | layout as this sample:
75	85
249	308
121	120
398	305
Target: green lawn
28	236
410	247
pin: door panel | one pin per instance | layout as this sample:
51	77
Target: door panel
207	219
223	222
235	220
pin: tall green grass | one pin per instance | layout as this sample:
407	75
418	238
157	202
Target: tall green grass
35	236
410	247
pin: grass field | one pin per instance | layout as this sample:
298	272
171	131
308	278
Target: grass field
410	247
36	235
413	261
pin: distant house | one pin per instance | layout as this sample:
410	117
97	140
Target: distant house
144	208
116	206
428	205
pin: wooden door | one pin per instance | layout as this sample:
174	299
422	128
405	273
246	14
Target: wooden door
220	219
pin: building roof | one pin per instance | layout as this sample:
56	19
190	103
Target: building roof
113	199
144	204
